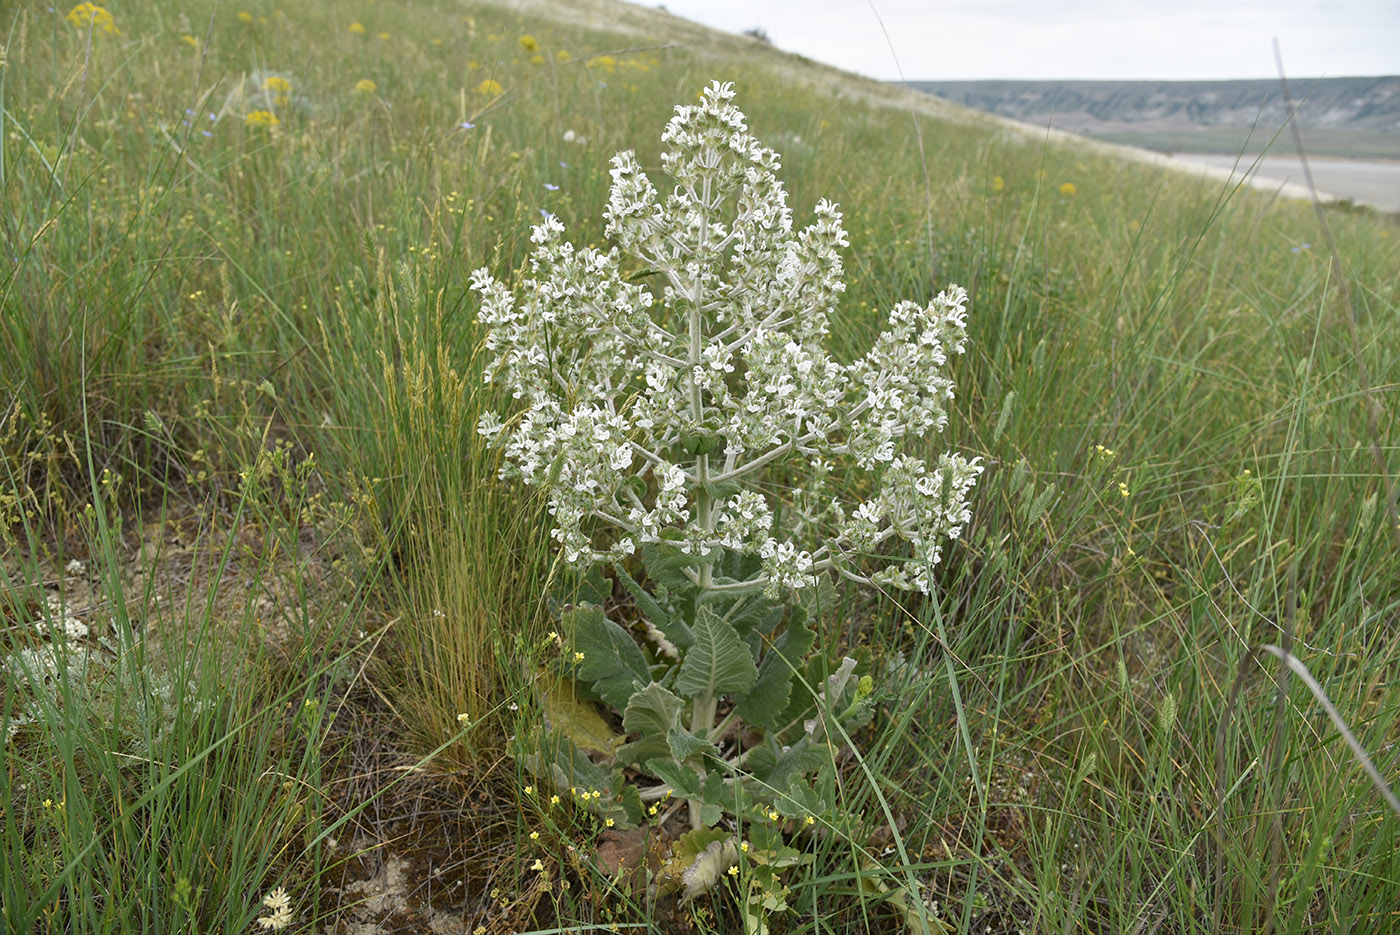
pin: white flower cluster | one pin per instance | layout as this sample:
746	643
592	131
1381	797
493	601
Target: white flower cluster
656	409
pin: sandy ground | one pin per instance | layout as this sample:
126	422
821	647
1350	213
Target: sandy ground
1368	182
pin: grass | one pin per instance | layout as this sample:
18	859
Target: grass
240	374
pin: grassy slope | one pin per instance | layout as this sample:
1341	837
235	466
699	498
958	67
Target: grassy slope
176	304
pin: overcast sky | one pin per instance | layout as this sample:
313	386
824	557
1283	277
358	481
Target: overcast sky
1117	39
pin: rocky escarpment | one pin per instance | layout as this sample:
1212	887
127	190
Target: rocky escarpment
1353	104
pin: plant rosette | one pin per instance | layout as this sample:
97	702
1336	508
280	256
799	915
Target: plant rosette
663	385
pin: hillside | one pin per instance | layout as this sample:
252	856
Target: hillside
290	641
1357	117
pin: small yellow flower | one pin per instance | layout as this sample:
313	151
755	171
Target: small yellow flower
773	815
608	822
464	719
652	810
261	118
277	85
244	16
91	16
1122	488
1068	189
537	865
365	86
48	803
357	28
578	657
534	835
998	183
811	820
554	800
528	43
492	88
562	55
537	60
733	871
529	790
744	846
190	40
383	35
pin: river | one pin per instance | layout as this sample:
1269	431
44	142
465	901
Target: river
1369	182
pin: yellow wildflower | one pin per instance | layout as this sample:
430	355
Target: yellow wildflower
528	43
608	822
366	86
261	118
91	16
563	55
490	87
537	60
383	35
244	16
733	871
357	28
1068	189
529	790
605	62
537	865
277	84
554	800
534	835
190	40
998	183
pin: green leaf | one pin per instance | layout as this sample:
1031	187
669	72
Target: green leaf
766	701
683	744
640	751
632	806
675	629
683	780
775	767
611	662
718	662
653	711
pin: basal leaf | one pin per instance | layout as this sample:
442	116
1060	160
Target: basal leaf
766	701
652	712
683	780
719	661
684	745
575	717
612	663
675	629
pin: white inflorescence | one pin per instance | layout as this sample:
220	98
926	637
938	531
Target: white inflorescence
656	411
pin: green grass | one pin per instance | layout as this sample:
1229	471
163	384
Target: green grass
240	373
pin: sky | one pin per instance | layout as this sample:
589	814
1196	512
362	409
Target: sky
952	40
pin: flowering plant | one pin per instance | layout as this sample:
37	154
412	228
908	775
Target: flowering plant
662	382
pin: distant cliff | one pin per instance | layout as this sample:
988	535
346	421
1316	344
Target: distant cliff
1337	113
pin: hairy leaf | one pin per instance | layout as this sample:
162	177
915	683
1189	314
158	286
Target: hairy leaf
683	780
684	745
766	701
675	628
652	711
611	662
718	662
